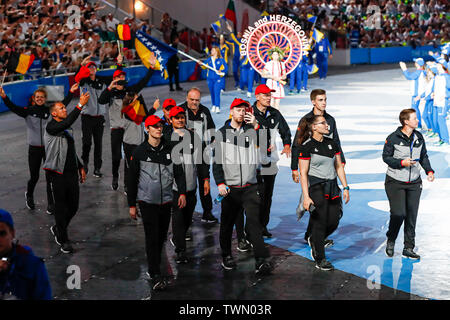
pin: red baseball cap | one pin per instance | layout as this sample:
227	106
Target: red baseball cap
237	102
118	73
169	103
175	111
152	120
262	88
91	63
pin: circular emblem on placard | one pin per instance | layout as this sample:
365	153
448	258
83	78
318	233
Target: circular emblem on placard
274	31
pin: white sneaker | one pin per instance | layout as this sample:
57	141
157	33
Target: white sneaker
213	109
249	94
238	89
217	110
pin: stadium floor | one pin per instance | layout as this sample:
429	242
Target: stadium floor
110	247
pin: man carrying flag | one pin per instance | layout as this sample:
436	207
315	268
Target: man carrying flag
323	52
113	95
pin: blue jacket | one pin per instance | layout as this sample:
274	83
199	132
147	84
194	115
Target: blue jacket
220	65
26	278
236	46
414	76
323	48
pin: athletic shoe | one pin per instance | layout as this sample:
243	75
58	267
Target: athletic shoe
54	233
181	258
263	267
328	243
149	276
249	94
266	233
159	283
125	189
29	201
439	143
97	173
409	253
66	247
221	91
324	265
304	90
243	245
179	89
115	183
390	248
208	217
228	263
313	251
50	209
291	93
238	89
171	242
188	236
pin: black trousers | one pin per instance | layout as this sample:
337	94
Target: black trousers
92	129
116	150
325	218
182	219
36	156
128	149
404	203
241	231
65	191
239	199
156	219
266	184
206	201
174	72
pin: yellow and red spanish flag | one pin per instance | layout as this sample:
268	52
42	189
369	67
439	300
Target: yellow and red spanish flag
123	31
19	62
136	111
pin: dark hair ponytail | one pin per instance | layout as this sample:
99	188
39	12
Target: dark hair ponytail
304	130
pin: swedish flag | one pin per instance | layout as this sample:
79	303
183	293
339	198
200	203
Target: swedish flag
146	46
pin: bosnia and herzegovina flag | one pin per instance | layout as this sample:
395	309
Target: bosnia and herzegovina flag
311	18
317	35
136	111
123	31
19	62
146	46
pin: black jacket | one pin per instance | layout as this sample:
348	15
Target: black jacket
236	155
399	146
270	121
333	135
200	122
152	174
36	118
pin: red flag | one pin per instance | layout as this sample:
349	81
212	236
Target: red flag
230	13
196	74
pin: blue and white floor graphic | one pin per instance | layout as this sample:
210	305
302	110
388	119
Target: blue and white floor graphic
366	108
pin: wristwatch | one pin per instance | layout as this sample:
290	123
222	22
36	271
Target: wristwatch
346	188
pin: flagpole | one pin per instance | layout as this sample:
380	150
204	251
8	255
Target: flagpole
198	61
118	46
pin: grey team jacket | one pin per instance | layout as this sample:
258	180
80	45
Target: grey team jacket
56	146
235	156
399	147
189	148
36	118
95	89
114	99
152	174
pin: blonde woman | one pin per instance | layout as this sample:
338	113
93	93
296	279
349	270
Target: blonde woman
275	73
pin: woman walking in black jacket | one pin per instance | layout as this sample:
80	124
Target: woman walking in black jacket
403	151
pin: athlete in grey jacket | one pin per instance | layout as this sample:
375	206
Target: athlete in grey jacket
403	151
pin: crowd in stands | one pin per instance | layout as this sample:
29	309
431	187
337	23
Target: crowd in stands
374	23
44	29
